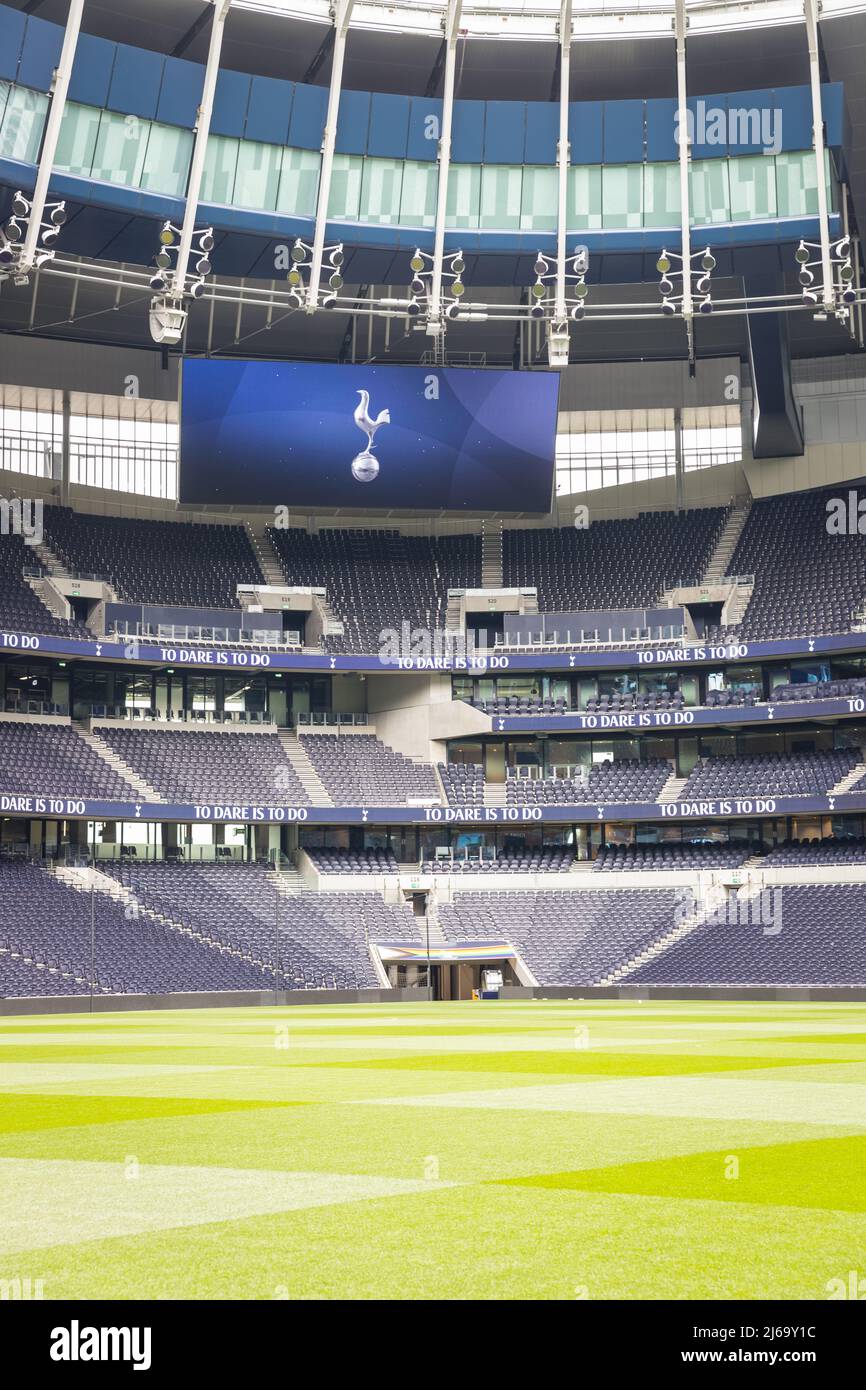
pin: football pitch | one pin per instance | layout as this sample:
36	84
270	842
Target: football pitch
497	1150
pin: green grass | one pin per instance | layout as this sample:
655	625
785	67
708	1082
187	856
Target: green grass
500	1150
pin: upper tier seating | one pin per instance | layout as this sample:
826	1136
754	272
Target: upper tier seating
156	561
807	582
354	861
553	860
637	858
770	774
522	704
820	690
811	935
53	759
813	853
612	564
20	609
625	704
203	765
565	937
463	783
727	699
624	779
377	580
360	770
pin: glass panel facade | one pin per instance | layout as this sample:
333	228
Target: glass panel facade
501	189
464	196
584	197
753	188
136	153
120	150
220	168
166	161
381	188
299	182
345	200
21	127
538	203
708	191
418	198
76	146
661	195
622	195
258	175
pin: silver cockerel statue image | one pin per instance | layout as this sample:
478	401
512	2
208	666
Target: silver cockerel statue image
365	466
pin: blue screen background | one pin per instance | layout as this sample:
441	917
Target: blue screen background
283	434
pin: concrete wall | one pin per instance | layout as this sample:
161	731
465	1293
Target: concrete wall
782	994
402	708
130	1003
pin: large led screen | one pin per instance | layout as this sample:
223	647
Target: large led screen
301	434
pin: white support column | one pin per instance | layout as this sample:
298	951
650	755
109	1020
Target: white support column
342	14
563	156
57	106
685	158
452	25
199	150
810	11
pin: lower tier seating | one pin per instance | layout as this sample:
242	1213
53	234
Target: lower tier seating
814	935
564	937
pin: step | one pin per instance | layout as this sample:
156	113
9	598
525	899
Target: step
664	943
297	756
717	565
289	882
495	794
673	787
51	562
263	546
108	755
49	597
847	782
491	554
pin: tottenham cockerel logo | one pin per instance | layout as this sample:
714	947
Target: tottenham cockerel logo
365	466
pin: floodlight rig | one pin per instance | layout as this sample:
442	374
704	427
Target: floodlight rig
168	312
673	300
299	275
548	303
14	260
840	294
431	314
